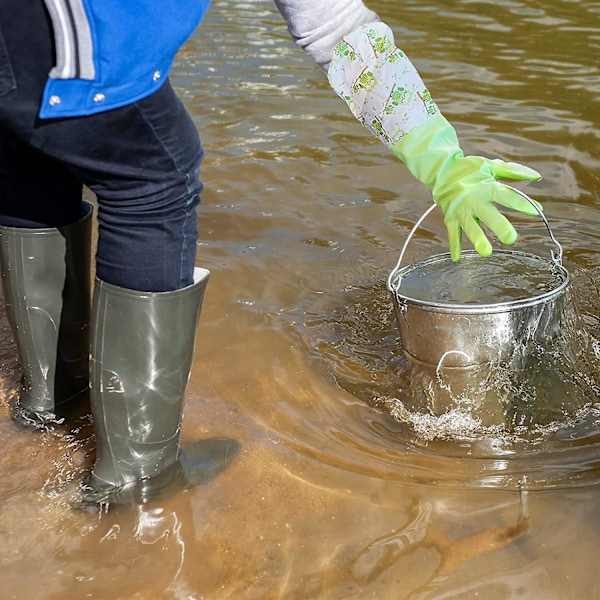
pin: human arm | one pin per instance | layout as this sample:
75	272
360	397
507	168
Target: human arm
386	94
317	26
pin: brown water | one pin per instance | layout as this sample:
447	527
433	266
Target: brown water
302	219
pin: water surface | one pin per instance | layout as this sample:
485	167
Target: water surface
358	477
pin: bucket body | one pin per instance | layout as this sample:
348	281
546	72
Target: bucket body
480	310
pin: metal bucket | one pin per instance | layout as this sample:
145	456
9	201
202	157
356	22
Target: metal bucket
480	310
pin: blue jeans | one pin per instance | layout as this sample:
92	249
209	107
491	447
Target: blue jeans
142	161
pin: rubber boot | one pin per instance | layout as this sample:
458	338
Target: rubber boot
46	284
142	351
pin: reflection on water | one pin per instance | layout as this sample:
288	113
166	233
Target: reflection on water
298	357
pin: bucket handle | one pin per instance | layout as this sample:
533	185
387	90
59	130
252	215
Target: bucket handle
556	255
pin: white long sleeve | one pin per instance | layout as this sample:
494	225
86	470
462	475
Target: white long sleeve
318	26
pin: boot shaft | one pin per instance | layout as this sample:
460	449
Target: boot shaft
142	351
46	285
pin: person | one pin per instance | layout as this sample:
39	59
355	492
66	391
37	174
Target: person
85	100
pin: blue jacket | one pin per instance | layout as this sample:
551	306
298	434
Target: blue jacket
110	53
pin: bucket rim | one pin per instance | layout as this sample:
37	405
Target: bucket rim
494	307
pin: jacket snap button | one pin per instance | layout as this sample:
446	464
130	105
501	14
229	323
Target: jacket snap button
54	100
99	98
156	75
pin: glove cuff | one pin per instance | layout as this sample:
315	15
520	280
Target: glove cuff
379	83
429	150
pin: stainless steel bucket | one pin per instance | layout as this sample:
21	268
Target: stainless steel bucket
480	310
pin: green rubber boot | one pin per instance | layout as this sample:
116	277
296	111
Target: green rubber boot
46	284
142	351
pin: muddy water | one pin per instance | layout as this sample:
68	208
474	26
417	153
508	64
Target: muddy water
347	485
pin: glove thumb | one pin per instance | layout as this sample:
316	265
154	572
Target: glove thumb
509	170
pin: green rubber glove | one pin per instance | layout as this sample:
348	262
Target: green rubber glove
386	94
465	187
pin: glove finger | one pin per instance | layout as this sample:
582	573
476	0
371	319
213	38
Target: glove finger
497	223
511	170
510	199
473	231
454	239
